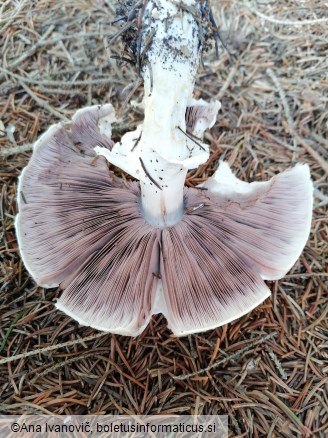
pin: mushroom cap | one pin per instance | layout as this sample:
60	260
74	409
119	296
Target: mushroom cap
81	227
201	115
234	235
275	216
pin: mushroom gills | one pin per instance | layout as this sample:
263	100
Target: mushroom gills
81	227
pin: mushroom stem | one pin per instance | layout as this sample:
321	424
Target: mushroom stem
160	152
169	78
163	208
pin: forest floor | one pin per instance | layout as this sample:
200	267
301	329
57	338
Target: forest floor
267	370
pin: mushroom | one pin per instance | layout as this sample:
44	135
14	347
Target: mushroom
125	250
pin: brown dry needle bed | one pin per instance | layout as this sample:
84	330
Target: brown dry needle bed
269	386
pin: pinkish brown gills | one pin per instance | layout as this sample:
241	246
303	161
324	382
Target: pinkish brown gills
123	251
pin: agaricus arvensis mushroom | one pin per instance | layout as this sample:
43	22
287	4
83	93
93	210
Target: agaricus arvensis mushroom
122	250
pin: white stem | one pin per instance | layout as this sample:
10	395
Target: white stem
163	208
169	78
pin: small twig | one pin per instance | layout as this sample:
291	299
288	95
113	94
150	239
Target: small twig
323	163
277	363
192	10
122	58
128	97
147	45
39	81
51	348
217	36
62	363
148	174
136	142
122	30
282	95
192	209
7	408
58	91
285	22
288	411
319	139
306	275
43	103
226	359
323	198
139	32
16	150
23	197
316	322
191	137
225	86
